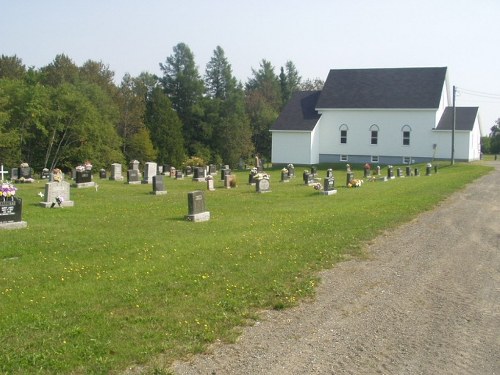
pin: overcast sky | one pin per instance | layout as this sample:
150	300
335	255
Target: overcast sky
317	35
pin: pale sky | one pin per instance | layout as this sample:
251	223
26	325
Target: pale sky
317	35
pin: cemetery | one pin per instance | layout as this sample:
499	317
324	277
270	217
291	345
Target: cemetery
125	268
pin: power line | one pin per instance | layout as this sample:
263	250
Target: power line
478	93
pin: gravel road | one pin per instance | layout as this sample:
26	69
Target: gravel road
426	301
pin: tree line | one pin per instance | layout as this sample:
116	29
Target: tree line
62	114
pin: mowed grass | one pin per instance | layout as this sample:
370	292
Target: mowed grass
122	279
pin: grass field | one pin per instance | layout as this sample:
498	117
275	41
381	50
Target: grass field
122	279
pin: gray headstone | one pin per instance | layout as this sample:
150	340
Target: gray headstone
116	172
14	173
149	172
133	176
53	190
196	207
329	186
159	185
134	164
263	186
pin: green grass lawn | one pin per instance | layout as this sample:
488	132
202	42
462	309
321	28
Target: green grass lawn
122	278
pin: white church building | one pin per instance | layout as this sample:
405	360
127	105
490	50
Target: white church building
384	116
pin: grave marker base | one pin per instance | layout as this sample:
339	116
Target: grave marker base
330	192
83	185
161	192
202	216
14	225
63	204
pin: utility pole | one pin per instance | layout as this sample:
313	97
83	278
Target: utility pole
453	128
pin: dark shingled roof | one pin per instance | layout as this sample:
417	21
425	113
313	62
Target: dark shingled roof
299	113
465	118
383	88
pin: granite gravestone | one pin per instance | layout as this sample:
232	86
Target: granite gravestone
329	186
199	174
57	194
196	207
83	179
263	185
149	172
285	176
116	172
159	185
133	177
11	208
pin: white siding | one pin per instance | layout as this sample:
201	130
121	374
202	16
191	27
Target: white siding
390	135
291	147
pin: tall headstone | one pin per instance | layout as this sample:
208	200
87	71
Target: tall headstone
149	172
408	171
116	172
57	194
390	172
159	185
102	174
196	207
134	164
291	170
349	178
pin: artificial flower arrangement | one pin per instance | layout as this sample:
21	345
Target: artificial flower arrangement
261	176
80	168
57	173
8	190
317	186
284	170
355	183
59	201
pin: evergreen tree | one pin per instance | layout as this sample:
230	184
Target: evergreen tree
185	88
289	81
225	112
263	104
165	128
11	67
